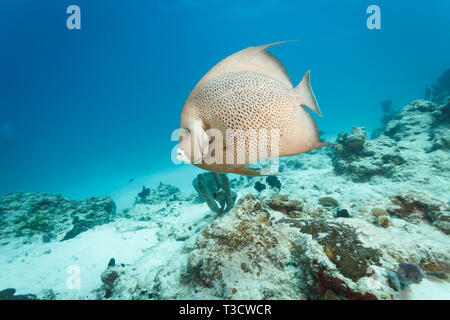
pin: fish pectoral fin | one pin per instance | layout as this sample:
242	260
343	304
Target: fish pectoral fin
219	135
201	143
306	94
215	123
255	172
329	144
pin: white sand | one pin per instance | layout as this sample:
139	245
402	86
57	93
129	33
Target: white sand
428	289
28	269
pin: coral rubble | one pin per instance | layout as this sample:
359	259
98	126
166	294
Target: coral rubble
415	207
164	192
360	160
439	91
50	217
414	138
255	252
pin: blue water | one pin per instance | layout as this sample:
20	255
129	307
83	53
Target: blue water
83	111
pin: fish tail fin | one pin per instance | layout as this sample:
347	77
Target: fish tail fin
306	94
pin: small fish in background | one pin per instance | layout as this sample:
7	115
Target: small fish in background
409	273
131	180
249	90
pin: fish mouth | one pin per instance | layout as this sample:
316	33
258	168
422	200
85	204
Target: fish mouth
182	156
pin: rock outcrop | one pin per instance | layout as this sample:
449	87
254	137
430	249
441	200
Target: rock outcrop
440	91
414	138
51	217
237	256
340	225
360	160
417	207
255	252
163	193
422	119
414	119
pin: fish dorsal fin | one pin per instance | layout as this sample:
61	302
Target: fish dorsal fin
252	59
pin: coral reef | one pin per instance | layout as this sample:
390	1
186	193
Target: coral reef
422	120
296	208
417	206
9	294
413	119
237	256
440	91
382	221
50	217
121	279
439	132
377	212
164	192
362	220
352	142
249	252
360	160
399	151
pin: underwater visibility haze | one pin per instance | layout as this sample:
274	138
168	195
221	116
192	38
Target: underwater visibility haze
92	95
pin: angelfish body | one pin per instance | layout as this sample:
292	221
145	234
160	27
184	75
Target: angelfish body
250	90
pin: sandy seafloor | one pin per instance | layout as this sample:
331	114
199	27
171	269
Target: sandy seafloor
153	246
